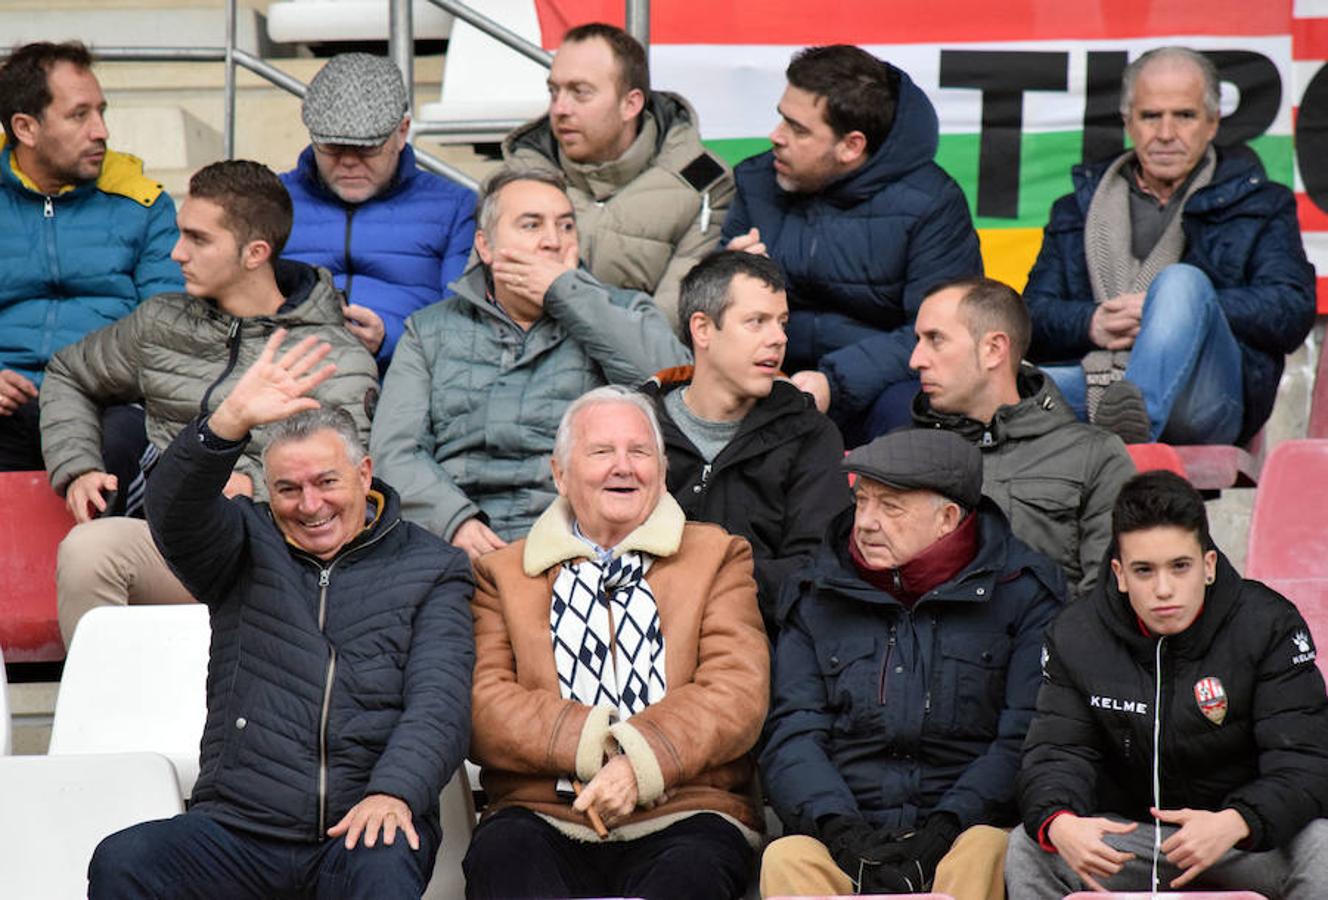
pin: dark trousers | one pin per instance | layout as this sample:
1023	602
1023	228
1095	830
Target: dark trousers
123	439
515	854
193	856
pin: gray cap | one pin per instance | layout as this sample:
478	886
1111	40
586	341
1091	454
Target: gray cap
356	99
929	459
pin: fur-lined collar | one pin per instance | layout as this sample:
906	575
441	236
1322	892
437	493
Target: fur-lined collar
551	541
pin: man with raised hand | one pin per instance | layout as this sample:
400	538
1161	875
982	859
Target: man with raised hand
340	661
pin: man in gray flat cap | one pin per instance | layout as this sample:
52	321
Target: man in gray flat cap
393	236
905	677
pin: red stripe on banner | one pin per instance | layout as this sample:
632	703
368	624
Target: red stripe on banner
792	22
1322	290
1311	217
1309	39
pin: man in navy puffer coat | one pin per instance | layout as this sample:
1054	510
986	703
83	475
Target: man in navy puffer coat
392	236
339	675
862	221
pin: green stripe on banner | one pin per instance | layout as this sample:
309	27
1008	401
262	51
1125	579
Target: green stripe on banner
1047	158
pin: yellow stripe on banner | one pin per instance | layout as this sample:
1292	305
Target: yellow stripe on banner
1009	253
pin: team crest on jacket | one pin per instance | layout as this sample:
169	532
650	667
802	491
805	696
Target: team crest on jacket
1304	649
1212	698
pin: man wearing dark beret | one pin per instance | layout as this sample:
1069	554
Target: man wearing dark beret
905	677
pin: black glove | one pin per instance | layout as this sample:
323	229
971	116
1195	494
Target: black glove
856	848
917	855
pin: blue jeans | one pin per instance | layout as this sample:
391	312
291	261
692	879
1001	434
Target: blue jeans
193	856
1185	361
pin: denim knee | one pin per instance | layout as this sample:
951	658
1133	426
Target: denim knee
118	862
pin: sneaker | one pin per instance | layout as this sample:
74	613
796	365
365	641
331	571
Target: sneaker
1123	412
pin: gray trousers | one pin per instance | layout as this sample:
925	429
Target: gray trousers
1298	871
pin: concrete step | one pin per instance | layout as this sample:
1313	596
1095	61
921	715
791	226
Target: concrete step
31	706
137	24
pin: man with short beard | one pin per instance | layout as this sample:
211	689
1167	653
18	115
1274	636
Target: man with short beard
84	238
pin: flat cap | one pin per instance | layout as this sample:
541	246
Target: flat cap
929	459
355	99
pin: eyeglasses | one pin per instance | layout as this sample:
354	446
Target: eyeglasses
339	150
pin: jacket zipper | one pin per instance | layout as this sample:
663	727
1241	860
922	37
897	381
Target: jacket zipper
324	579
233	343
885	666
350	273
1157	755
705	479
48	208
324	576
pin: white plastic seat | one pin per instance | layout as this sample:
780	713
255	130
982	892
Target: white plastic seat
457	814
484	79
135	679
56	809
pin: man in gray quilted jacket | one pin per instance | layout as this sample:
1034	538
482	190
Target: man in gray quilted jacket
479	381
181	353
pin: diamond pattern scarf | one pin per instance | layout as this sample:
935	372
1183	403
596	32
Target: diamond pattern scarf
607	643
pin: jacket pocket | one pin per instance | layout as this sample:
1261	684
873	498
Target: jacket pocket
971	682
1044	513
850	671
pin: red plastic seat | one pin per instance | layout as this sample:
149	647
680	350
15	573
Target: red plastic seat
33	521
1187	895
877	896
1288	542
1149	457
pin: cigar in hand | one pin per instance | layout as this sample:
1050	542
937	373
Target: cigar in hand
595	821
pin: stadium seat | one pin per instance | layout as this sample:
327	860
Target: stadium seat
879	896
6	724
33	521
457	813
1288	542
1149	457
57	809
1169	895
135	679
1317	427
1215	467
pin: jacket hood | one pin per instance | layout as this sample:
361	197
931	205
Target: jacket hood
669	110
1114	610
996	561
911	143
1040	409
307	170
310	297
121	174
783	401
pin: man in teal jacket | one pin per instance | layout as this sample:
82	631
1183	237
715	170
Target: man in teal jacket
84	238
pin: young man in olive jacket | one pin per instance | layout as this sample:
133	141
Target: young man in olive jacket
339	669
1181	737
747	450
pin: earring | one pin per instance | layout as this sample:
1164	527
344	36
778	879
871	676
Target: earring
1210	579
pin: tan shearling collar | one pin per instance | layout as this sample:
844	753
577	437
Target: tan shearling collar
551	541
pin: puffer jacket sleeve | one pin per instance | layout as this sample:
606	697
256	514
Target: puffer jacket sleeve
517	727
1273	310
1058	295
737	220
942	247
82	379
802	783
1290	732
695	245
1108	466
460	238
200	533
430	739
815	491
156	273
986	790
623	331
1062	753
402	439
716	717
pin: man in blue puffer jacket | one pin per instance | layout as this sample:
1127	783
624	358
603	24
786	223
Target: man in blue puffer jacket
863	222
1172	281
393	236
84	238
338	688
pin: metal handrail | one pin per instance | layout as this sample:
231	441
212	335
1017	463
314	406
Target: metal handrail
401	48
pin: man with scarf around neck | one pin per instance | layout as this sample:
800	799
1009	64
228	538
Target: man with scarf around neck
1172	281
905	676
618	647
1053	476
1183	699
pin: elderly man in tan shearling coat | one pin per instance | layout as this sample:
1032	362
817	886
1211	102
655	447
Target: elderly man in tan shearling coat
619	656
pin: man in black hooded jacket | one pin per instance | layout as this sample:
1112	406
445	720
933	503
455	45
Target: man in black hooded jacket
1182	699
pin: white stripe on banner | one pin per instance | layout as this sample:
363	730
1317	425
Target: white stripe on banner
1316	248
1309	9
735	88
